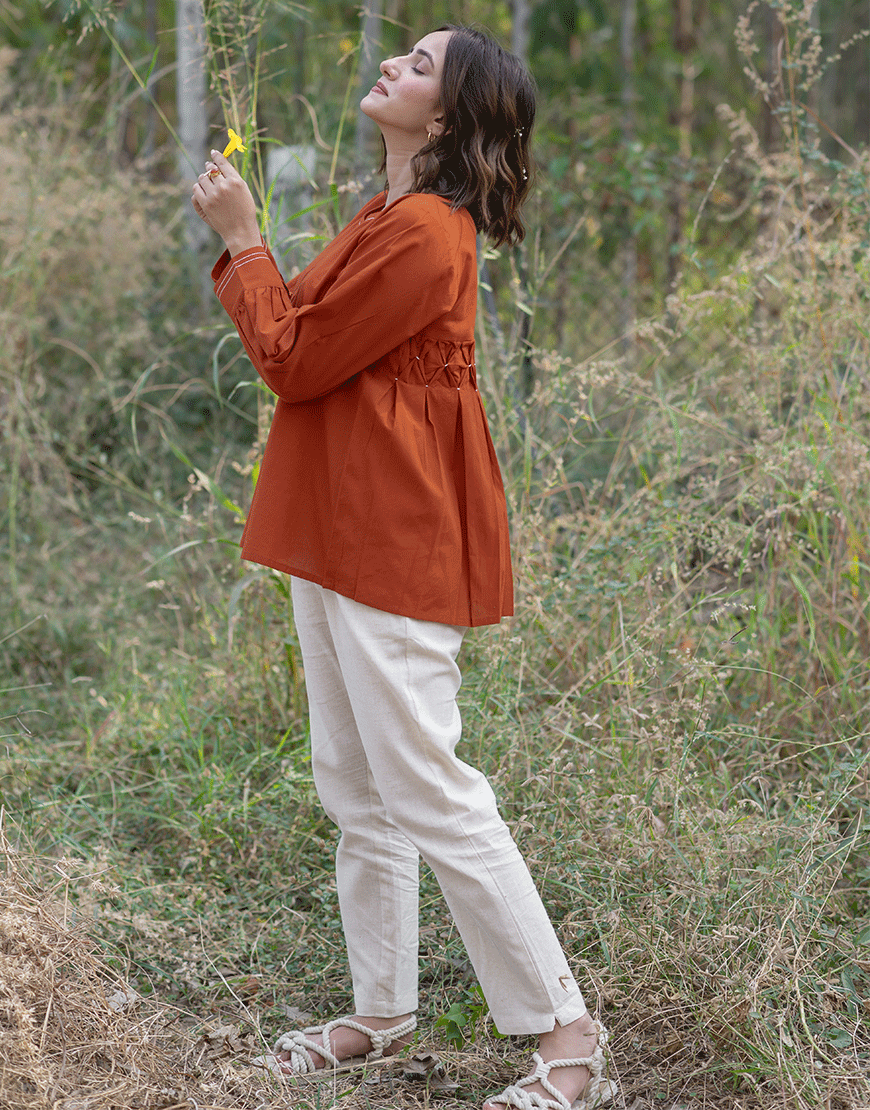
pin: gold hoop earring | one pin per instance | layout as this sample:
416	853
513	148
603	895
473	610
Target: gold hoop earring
429	136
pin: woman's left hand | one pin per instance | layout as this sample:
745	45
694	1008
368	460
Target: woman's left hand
222	198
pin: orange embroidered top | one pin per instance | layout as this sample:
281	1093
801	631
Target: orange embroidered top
379	479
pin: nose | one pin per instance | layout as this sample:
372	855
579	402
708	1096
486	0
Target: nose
388	67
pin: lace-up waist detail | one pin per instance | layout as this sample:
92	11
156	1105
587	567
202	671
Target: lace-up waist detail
432	363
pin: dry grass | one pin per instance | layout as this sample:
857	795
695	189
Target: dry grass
701	1016
75	1036
675	721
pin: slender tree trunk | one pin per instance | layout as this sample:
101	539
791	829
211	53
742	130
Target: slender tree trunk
191	104
774	35
575	53
299	59
369	60
520	37
526	369
684	43
629	242
149	140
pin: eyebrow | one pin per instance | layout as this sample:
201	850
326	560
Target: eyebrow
425	53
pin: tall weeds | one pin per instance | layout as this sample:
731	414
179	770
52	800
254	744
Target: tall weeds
684	692
675	720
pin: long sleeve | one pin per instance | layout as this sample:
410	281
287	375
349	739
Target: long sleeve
394	277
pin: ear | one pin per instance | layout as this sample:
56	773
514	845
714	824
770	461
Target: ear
435	126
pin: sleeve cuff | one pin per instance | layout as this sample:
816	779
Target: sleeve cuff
253	268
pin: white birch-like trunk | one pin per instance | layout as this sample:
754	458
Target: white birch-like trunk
629	243
520	36
684	43
150	138
367	74
190	98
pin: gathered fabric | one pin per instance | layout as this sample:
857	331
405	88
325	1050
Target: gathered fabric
379	480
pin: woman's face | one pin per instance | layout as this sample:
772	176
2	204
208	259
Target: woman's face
407	98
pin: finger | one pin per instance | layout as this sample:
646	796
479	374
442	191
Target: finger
223	164
200	210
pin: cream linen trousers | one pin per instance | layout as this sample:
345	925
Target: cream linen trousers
384	727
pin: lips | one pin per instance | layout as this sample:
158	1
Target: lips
379	88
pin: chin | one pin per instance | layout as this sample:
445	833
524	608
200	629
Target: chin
369	103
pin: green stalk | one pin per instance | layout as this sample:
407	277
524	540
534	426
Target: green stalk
351	81
143	85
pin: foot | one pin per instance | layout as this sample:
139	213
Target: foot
346	1042
577	1040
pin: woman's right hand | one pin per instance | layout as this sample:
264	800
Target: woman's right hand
222	198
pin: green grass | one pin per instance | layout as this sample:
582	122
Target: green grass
675	720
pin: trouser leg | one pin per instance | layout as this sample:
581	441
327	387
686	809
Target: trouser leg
377	867
401	680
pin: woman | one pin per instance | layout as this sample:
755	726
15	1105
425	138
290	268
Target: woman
380	495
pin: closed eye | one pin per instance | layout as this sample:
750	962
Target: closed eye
424	54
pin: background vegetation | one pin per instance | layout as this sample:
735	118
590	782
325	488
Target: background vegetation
676	370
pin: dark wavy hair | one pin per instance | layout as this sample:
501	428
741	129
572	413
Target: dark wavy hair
482	159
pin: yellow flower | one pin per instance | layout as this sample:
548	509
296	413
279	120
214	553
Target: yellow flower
235	143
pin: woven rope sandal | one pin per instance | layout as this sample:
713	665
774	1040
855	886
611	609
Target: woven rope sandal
598	1091
300	1046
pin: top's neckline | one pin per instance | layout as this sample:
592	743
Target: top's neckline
379	203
